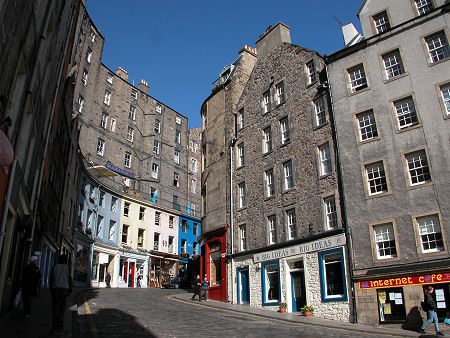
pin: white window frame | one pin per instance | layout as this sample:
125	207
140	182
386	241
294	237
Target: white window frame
157	126
100	147
267	140
88	55
127	159
112	126
112	229
330	213
109	78
176	156
357	78
291	223
243	237
376	178
269	183
311	71
405	113
178	120
242	195
325	164
107	98
132	113
80	104
134	94
193	165
320	114
240	119
288	175
393	64
285	134
266	102
430	233
381	22
104	120
130	134
437	46
367	125
156	147
158	108
176	180
193	185
155	170
84	77
178	136
279	93
418	168
240	155
385	242
92	36
423	6
445	96
272	228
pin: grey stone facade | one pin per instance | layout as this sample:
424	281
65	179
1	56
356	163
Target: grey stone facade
392	131
284	173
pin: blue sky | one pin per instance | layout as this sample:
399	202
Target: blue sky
180	46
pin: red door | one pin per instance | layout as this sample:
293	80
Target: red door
131	281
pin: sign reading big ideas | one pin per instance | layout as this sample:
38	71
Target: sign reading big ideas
434	278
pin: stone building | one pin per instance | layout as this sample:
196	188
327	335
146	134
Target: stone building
217	133
36	116
390	94
141	150
289	243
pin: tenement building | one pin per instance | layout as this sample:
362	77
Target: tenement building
139	149
391	103
289	243
217	135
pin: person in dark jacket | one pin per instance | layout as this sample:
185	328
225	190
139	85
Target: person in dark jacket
205	286
430	306
197	288
108	279
61	287
30	283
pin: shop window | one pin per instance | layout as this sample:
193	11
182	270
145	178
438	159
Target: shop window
215	269
391	305
270	276
332	275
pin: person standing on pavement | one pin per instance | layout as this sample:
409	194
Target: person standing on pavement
430	306
197	288
61	287
205	286
108	279
30	283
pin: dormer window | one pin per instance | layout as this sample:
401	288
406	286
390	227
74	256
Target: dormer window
381	22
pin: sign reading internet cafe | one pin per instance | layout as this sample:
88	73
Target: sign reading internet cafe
435	278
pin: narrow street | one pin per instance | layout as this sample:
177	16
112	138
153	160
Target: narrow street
166	313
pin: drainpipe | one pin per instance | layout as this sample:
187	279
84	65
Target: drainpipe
342	198
232	143
5	206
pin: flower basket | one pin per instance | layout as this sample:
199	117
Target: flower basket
282	307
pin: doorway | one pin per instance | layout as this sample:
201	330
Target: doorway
243	286
298	290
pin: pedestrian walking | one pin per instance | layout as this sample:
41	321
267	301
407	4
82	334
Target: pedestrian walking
61	287
430	306
197	288
108	279
205	286
30	284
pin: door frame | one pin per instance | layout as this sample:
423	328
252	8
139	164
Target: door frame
288	278
239	272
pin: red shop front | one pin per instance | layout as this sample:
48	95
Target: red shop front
213	262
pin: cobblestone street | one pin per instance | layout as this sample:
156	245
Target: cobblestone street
171	313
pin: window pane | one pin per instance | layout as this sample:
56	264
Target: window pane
271	281
333	274
406	113
367	125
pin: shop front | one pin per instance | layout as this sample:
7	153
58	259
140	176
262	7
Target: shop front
82	259
397	299
306	273
102	263
162	268
130	270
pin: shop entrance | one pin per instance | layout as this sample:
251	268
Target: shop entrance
243	286
298	287
391	305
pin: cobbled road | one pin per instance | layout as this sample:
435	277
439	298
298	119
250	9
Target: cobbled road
151	312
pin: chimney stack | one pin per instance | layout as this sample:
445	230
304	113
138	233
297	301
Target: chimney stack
143	87
122	73
272	37
248	49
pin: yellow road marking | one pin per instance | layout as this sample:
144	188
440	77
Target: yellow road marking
91	321
171	297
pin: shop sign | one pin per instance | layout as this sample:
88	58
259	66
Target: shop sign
435	278
322	244
120	171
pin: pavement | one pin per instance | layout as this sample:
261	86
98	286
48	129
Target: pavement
390	329
14	324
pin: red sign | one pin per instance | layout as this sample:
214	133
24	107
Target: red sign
435	278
